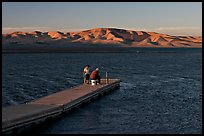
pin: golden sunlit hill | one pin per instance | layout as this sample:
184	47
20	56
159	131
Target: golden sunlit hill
104	36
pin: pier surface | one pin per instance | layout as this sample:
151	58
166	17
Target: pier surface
17	119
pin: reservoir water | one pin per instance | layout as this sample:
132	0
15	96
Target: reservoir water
160	92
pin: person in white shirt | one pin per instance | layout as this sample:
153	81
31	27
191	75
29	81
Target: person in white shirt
86	74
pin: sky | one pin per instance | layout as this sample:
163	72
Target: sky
174	18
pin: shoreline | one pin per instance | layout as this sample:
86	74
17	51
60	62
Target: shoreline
86	49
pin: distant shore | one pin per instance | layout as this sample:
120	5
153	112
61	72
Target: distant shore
99	37
33	49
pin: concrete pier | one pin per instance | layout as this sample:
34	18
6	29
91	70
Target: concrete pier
18	119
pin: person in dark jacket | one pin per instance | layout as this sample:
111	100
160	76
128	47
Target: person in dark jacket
95	75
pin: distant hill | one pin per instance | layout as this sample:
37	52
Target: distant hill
102	36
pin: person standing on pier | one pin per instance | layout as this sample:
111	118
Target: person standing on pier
86	74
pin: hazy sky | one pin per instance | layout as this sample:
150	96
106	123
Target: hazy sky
174	18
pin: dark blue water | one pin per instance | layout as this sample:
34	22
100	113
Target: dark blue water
161	89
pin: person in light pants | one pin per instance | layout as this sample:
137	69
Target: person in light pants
95	76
